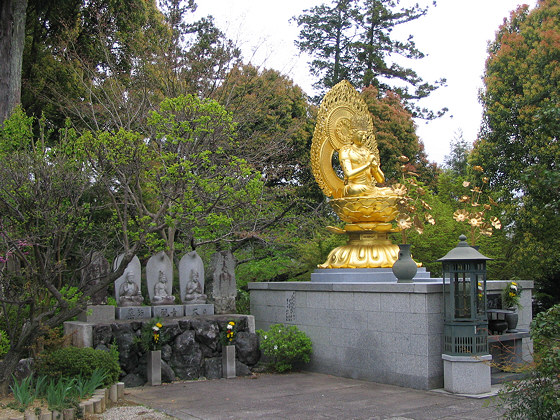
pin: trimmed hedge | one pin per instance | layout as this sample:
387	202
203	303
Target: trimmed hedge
74	361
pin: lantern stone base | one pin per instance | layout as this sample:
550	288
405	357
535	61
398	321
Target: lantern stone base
466	374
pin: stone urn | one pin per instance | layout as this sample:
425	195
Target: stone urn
404	268
512	318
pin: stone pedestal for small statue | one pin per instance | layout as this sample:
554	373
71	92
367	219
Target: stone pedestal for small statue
154	368
466	374
228	362
97	314
199	309
168	311
133	312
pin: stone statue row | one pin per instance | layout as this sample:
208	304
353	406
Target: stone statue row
159	279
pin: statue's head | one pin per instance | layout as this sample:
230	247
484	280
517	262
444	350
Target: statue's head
358	129
162	277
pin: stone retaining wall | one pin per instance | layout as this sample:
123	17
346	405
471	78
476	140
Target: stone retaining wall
192	350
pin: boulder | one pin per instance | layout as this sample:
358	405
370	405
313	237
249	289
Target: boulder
132	380
212	368
207	332
102	334
166	352
241	369
247	348
167	374
186	359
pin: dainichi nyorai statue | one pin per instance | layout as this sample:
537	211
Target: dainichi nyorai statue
345	128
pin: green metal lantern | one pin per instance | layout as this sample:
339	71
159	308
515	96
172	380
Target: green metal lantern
464	296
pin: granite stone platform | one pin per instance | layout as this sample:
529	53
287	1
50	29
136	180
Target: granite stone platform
384	332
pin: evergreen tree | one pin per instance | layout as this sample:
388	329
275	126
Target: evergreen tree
457	159
351	39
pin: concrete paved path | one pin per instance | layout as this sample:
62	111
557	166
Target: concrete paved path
304	396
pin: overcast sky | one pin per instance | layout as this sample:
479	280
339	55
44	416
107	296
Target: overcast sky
454	36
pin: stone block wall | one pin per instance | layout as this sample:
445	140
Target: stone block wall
382	332
388	333
192	350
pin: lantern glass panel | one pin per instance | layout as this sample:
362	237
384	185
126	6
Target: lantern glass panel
462	286
446	285
481	296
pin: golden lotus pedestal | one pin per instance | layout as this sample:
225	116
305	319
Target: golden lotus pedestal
368	225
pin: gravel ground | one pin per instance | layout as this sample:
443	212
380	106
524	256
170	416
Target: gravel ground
126	410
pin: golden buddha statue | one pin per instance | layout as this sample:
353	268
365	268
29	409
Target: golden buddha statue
345	128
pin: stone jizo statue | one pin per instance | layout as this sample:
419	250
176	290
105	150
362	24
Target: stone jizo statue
161	297
194	292
129	293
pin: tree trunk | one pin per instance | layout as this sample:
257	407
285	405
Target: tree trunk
12	40
7	368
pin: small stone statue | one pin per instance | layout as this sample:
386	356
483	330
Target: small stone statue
129	293
161	297
194	292
96	267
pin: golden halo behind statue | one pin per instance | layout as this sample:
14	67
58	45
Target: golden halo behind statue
342	103
334	119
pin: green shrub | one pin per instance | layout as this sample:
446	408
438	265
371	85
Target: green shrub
243	302
72	362
4	343
545	332
536	397
285	346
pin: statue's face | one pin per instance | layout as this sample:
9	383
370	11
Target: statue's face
358	136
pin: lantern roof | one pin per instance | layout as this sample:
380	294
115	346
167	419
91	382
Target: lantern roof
463	252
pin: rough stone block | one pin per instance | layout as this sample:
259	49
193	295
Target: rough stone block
133	312
251	323
81	332
97	314
168	311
